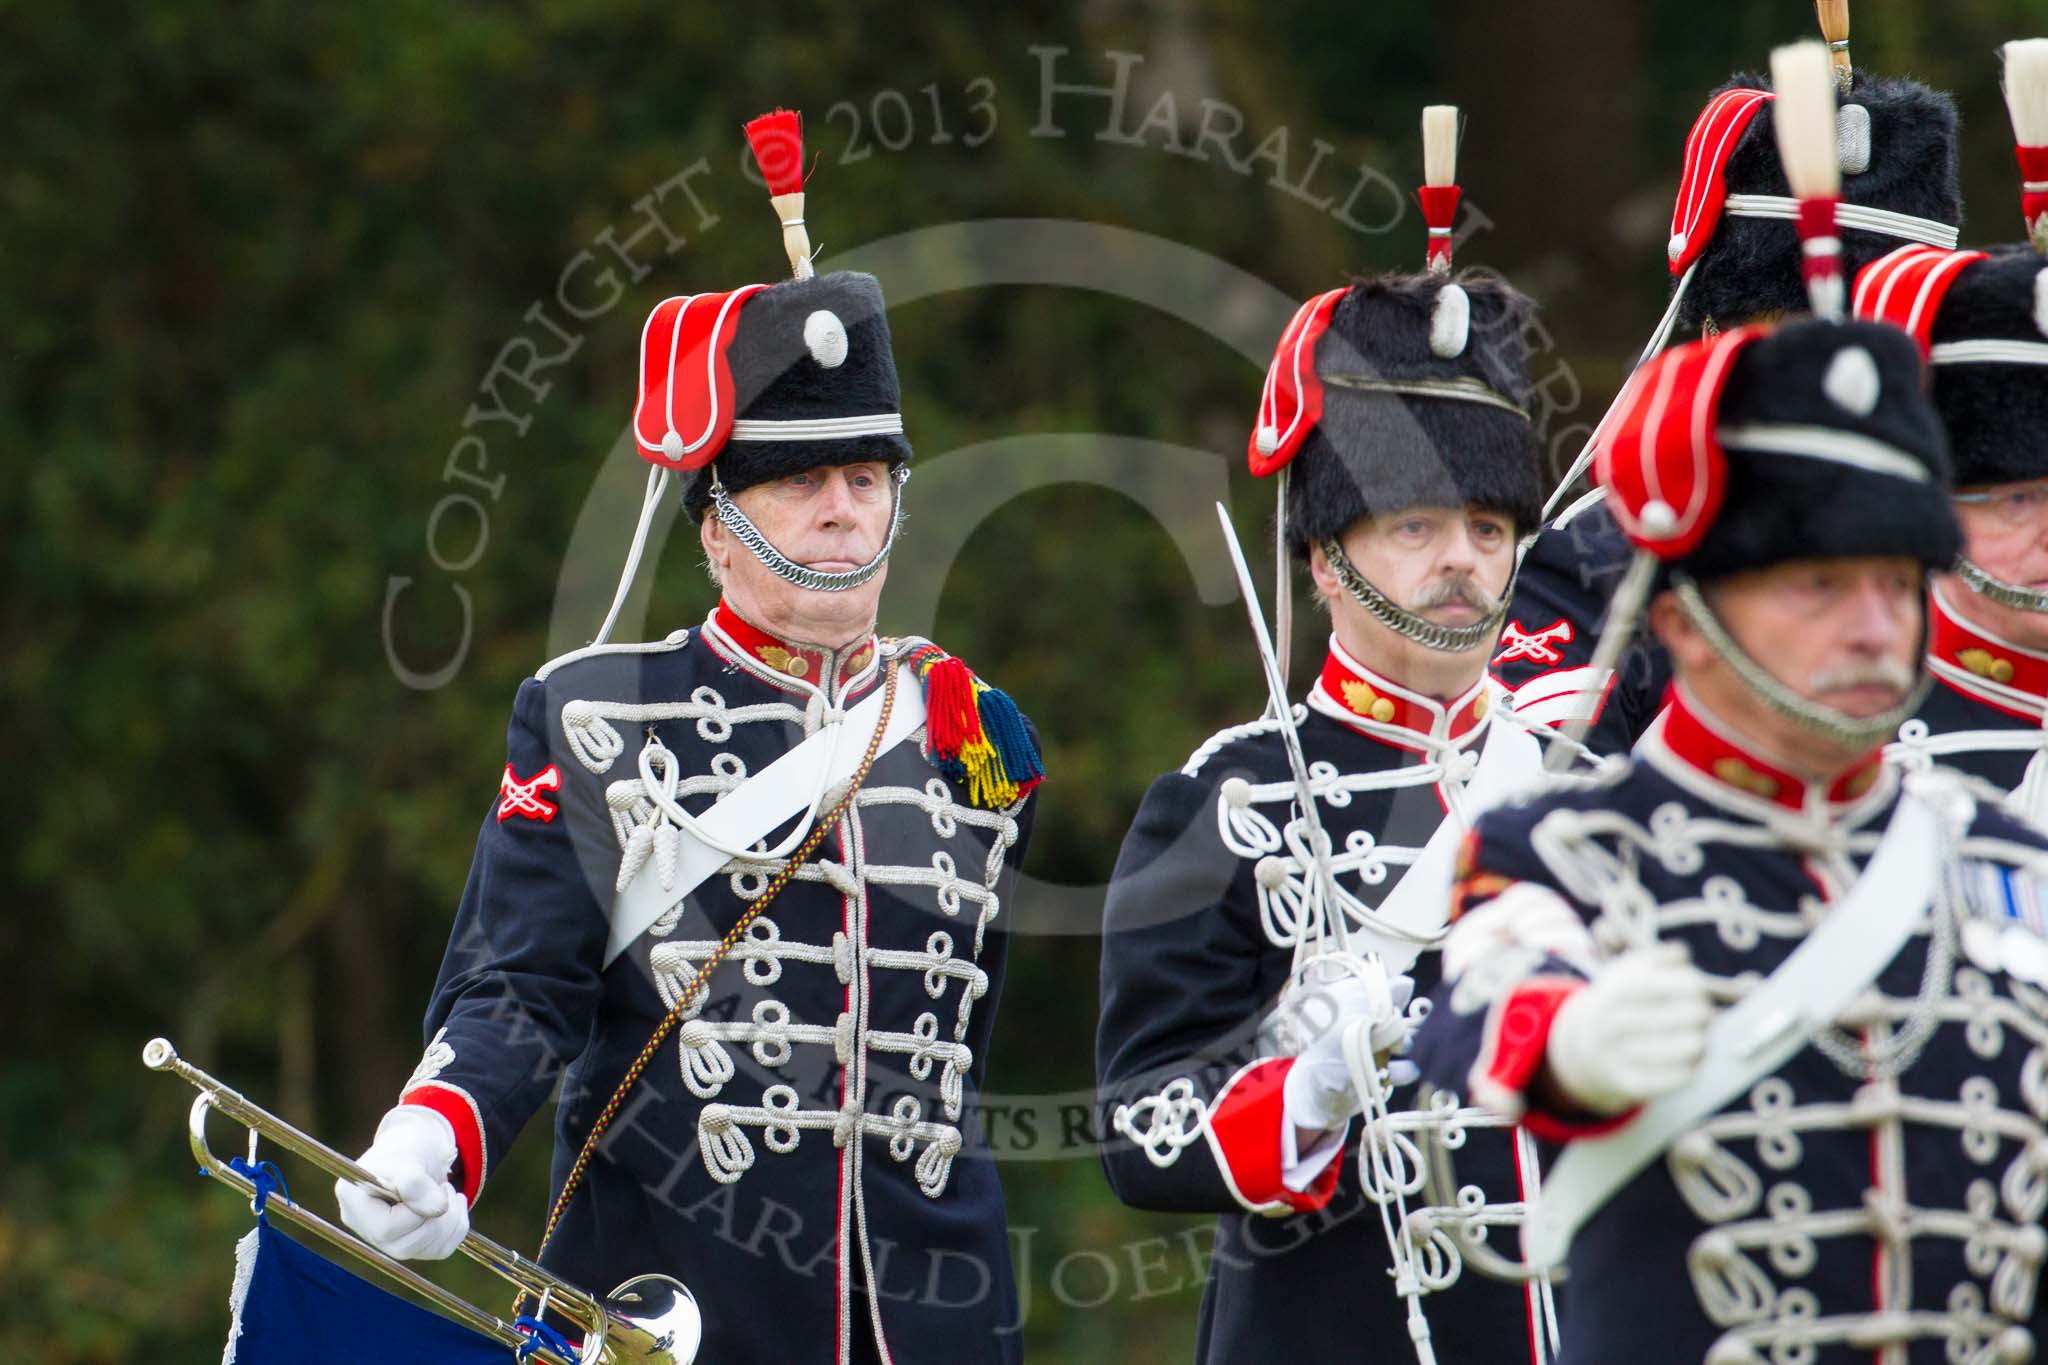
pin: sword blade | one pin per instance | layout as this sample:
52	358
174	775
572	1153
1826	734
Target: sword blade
1290	738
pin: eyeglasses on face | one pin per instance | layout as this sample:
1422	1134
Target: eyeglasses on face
2015	506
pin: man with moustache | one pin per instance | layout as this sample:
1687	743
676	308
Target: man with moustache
1783	1003
744	891
1234	978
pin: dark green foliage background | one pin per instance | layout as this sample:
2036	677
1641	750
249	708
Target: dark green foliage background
254	261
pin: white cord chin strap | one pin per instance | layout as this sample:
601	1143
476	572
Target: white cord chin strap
657	485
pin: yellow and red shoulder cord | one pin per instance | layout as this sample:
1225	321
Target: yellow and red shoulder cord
688	996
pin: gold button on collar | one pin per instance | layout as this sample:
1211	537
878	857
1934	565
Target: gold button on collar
1985	664
1736	773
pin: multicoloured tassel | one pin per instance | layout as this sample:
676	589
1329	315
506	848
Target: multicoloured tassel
974	733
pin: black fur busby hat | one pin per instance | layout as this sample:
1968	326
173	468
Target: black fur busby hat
1833	452
1896	143
1415	394
807	354
1759	447
1989	348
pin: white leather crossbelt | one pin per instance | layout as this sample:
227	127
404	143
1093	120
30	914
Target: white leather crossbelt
755	808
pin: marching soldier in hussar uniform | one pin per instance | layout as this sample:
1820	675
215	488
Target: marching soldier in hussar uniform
744	890
1785	1004
1240	909
1734	258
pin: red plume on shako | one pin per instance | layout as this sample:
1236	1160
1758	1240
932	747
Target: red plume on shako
2026	99
778	143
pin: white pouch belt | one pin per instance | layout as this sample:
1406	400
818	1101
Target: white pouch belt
755	808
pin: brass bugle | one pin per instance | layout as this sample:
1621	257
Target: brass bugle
648	1320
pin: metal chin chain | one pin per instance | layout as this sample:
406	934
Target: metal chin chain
1403	622
1999	591
1891	1058
782	566
1826	721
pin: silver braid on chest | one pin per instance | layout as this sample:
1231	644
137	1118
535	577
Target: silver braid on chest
1896	1054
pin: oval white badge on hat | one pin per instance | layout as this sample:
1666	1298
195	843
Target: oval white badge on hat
1450	322
825	336
1852	383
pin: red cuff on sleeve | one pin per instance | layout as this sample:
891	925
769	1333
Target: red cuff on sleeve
1511	1057
1244	1131
455	1105
1563	1128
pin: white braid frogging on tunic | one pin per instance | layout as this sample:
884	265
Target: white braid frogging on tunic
649	816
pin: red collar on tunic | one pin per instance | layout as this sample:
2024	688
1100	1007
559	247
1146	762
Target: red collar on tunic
1703	743
791	658
1981	665
1383	708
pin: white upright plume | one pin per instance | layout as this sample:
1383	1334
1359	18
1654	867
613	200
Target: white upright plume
2026	90
1803	76
1804	118
1439	145
2026	97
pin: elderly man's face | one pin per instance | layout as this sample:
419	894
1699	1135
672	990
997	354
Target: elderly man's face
832	519
2005	533
1845	633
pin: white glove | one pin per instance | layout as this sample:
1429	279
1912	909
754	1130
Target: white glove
1318	1093
1635	1032
1523	919
413	1153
